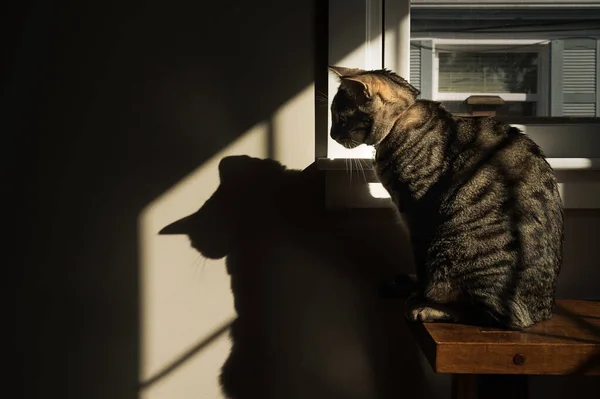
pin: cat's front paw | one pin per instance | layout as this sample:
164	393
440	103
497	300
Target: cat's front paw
420	309
427	314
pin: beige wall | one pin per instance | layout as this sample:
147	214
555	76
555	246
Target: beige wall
184	297
121	112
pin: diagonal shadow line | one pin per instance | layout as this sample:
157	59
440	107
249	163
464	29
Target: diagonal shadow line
577	319
271	143
593	362
562	337
186	356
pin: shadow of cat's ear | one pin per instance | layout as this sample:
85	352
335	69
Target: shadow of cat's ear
181	226
233	165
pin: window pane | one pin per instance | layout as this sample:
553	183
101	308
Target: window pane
547	55
474	72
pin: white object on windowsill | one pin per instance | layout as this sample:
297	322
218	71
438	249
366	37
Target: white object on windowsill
574	163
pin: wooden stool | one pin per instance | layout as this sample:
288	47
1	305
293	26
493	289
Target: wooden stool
491	363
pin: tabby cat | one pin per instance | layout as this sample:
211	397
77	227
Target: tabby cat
481	201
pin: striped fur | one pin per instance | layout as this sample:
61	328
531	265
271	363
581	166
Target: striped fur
482	202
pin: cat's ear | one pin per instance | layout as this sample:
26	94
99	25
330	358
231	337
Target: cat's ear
362	86
343	72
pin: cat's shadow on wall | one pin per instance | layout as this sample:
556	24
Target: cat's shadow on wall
310	323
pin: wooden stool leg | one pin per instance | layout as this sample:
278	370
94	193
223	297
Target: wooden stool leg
464	386
470	386
502	386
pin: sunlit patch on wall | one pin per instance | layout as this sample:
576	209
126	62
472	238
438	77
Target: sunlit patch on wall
293	130
183	298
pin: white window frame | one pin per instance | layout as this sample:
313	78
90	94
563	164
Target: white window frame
368	56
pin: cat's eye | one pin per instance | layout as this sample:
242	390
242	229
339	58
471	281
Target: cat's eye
342	119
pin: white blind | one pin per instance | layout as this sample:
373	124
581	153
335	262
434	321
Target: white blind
579	69
580	80
472	72
415	66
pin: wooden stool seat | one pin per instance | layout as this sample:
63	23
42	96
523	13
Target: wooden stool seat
569	343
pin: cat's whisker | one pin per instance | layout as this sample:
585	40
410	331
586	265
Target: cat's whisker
199	264
364	162
196	262
321	99
204	264
362	169
346	166
321	94
358	161
350	163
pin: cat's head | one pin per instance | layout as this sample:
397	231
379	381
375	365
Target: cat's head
367	104
242	202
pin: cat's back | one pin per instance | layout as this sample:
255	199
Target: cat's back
484	144
504	215
484	211
497	162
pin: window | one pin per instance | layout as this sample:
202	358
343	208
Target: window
468	70
515	72
537	59
540	58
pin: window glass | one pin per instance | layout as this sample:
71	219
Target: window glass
485	72
540	58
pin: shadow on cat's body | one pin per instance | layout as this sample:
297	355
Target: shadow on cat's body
310	322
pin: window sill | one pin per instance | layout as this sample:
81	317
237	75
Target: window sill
571	145
558	137
558	164
579	183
